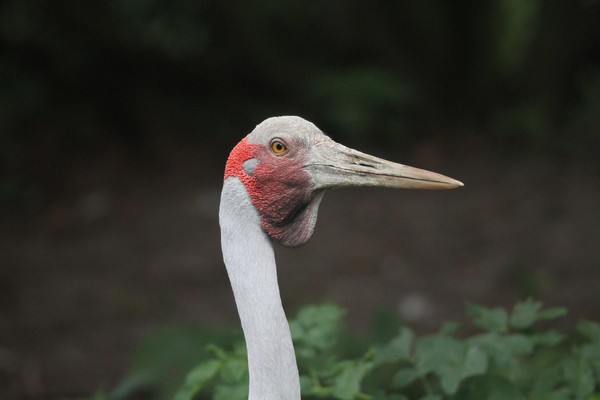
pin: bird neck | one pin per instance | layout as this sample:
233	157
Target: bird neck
250	261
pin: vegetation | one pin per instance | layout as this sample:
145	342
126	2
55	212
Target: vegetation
506	355
107	78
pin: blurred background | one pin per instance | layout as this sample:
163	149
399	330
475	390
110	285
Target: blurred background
116	118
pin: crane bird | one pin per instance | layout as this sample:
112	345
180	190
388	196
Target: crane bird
275	179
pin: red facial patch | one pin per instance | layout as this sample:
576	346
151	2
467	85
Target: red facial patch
243	151
279	189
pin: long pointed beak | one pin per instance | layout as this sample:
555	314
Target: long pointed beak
334	165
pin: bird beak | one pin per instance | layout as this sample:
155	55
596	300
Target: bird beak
334	165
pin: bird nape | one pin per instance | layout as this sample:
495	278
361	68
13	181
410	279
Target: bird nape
275	179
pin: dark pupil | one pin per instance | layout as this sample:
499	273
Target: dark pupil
279	146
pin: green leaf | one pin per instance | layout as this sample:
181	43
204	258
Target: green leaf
504	350
441	355
231	392
306	385
404	377
558	394
449	328
218	352
579	377
476	362
490	319
528	312
548	338
589	329
552	313
450	359
398	348
234	370
591	353
316	328
164	358
434	352
197	378
450	380
347	383
545	382
130	385
492	387
525	314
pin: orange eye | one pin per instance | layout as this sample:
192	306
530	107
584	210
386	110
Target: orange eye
278	147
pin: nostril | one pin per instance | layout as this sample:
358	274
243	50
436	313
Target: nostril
364	164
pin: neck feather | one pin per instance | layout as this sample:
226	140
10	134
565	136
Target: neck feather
250	261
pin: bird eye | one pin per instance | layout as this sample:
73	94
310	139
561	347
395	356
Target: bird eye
278	147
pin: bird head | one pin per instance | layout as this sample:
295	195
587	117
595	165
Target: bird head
287	164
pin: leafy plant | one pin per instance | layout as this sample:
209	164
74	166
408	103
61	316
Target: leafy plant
161	361
509	356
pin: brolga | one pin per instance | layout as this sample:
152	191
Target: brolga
275	179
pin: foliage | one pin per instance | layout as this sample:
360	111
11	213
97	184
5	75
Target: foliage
163	358
508	355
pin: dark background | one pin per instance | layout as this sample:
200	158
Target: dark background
116	118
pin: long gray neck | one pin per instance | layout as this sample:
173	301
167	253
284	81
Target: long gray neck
250	261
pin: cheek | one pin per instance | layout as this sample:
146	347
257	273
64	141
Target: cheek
282	188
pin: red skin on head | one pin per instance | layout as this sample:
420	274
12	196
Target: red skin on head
242	151
280	190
